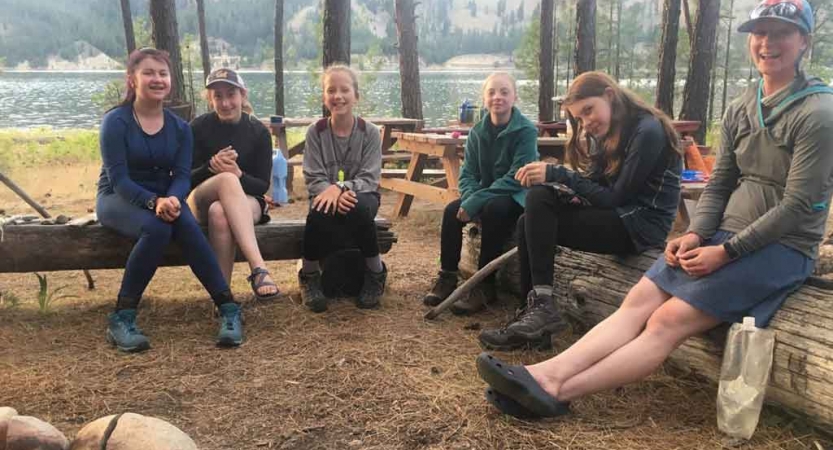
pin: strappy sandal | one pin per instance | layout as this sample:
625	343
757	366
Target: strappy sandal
258	280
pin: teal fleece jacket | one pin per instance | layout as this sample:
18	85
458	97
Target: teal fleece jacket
491	162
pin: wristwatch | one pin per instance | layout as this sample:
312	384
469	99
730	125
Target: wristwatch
151	203
342	186
730	251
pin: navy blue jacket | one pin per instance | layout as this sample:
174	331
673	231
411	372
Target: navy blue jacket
137	165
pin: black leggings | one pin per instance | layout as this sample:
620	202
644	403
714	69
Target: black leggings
326	233
497	218
547	222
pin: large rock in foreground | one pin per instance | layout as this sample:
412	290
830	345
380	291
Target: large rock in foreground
130	431
6	414
30	433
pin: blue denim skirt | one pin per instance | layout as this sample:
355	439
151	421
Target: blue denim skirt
755	285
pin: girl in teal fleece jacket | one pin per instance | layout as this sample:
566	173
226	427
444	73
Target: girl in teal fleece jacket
500	144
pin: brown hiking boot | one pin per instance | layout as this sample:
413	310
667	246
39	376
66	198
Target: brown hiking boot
443	287
480	296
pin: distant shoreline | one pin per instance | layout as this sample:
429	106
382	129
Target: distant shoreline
431	70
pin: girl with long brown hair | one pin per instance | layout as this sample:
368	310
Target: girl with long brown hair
617	194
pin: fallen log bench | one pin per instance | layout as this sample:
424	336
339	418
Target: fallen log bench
34	247
589	287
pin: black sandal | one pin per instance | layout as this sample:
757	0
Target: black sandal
257	281
517	383
507	405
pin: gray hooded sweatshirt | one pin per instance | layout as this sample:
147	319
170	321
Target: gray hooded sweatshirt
773	177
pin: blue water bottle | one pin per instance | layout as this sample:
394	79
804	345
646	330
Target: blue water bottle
463	109
279	170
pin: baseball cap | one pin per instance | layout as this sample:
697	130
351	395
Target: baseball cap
225	76
796	12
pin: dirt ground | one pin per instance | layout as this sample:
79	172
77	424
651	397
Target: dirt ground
345	379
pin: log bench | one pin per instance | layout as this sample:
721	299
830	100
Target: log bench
43	248
589	287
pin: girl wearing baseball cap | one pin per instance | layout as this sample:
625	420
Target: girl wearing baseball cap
753	240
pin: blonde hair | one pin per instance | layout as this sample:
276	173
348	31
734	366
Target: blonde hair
623	105
339	67
494	75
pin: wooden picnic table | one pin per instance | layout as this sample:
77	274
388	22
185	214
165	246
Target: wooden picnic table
423	146
387	124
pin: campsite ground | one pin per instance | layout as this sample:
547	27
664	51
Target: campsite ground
348	378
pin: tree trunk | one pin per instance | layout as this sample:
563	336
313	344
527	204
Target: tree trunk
585	52
336	32
568	55
618	35
67	247
610	37
206	59
555	52
279	99
546	87
698	80
726	59
688	27
667	71
166	37
406	32
127	18
709	116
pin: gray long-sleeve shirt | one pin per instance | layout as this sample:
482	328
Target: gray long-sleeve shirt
772	183
359	156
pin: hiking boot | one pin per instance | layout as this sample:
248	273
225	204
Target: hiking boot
231	325
477	299
533	326
123	332
443	287
312	291
372	289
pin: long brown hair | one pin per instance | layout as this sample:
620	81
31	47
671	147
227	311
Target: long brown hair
624	104
133	61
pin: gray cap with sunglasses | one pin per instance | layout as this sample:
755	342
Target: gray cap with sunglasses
796	12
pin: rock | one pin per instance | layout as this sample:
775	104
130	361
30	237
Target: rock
30	433
133	432
6	414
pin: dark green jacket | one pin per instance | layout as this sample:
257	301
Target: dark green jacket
490	163
772	183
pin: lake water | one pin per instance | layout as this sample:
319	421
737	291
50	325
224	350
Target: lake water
65	99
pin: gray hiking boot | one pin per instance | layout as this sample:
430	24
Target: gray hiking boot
372	289
480	296
533	326
312	291
231	325
123	333
443	287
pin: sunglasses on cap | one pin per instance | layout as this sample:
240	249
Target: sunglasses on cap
786	10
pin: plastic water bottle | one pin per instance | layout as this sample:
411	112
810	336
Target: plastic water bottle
744	374
464	111
279	171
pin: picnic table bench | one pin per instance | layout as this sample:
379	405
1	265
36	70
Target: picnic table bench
423	146
28	245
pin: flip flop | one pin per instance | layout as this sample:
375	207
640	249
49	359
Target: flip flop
517	383
257	281
507	405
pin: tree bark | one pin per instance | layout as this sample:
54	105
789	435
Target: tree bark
687	16
546	82
31	248
127	18
610	37
279	92
166	37
555	53
698	80
667	71
336	32
726	59
206	58
410	91
585	52
618	35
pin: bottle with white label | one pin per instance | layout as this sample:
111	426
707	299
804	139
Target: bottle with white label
744	374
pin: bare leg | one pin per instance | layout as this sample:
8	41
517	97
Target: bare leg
221	239
671	324
618	329
239	212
